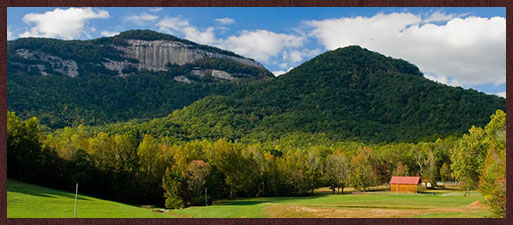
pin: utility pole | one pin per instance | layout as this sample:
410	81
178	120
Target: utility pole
76	197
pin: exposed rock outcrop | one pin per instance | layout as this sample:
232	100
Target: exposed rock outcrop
57	64
155	55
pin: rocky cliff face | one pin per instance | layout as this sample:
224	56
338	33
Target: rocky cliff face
155	55
125	54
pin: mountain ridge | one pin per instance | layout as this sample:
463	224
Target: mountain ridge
118	78
347	93
139	49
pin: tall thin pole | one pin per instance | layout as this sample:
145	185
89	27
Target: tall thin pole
76	197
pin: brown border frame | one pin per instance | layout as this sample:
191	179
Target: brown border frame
255	3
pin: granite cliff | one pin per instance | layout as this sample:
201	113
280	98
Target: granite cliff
124	54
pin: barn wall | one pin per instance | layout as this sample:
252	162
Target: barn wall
404	188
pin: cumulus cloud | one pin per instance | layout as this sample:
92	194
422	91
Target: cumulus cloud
441	17
464	51
141	19
257	44
225	21
261	44
179	25
442	79
297	55
62	23
281	72
109	33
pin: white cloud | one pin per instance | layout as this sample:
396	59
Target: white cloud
296	56
281	72
261	44
109	33
466	51
442	79
225	21
179	25
141	19
62	23
10	35
155	9
258	44
502	94
441	17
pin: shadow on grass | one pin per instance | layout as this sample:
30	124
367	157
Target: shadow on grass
260	200
39	191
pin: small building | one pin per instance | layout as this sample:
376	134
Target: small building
404	184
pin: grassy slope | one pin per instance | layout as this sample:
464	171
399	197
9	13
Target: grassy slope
31	201
450	204
25	200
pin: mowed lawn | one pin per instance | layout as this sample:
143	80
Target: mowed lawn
434	204
31	201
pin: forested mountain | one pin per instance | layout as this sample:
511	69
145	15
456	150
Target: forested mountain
136	74
346	93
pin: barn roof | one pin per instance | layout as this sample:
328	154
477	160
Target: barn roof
404	180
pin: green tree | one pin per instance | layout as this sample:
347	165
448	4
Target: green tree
492	182
445	173
468	158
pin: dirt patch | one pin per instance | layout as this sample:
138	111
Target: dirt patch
477	204
281	211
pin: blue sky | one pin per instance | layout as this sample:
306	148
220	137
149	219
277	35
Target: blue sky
456	46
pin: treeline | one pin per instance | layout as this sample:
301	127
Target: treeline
174	173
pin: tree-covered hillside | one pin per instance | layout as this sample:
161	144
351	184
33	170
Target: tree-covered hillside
93	82
346	93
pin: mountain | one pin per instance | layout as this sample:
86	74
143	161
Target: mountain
136	74
348	93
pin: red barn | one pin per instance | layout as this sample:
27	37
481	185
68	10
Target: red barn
404	184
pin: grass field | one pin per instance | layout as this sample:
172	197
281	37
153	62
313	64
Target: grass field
31	201
25	200
434	204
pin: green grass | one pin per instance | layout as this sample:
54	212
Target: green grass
31	201
436	204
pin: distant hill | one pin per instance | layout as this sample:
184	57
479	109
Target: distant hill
348	93
136	74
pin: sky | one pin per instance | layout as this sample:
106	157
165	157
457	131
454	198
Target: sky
462	46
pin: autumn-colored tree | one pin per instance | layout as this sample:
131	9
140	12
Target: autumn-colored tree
400	169
197	172
338	172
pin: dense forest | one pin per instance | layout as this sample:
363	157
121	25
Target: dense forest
176	174
98	95
364	96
